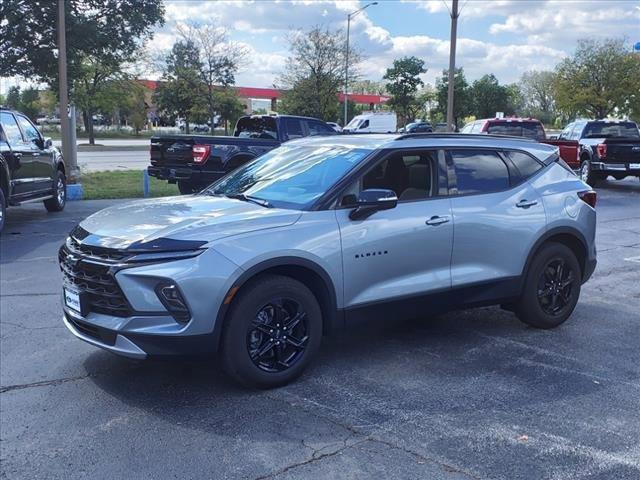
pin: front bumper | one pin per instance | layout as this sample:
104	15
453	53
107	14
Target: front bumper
195	175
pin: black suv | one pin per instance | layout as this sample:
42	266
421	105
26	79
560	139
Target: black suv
31	169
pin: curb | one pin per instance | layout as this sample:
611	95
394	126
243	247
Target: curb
75	192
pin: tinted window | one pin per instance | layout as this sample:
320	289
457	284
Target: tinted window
293	127
566	133
525	164
11	129
364	124
479	171
29	130
517	129
410	175
611	130
318	128
257	127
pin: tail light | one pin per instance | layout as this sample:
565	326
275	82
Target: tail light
602	150
590	197
200	153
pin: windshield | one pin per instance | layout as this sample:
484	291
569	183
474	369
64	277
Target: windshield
355	123
257	127
517	129
611	130
290	176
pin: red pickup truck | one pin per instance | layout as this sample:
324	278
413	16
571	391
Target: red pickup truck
526	127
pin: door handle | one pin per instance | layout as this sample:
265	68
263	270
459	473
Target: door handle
437	220
526	203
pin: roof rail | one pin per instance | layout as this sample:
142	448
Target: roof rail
475	136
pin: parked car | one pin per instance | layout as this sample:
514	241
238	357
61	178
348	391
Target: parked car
417	127
335	126
607	147
323	233
31	169
195	161
528	128
372	122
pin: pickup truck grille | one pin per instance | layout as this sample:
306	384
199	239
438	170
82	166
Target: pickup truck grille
95	279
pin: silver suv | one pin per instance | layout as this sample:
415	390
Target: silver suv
323	232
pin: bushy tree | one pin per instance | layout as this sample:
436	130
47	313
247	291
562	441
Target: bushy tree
488	97
315	73
462	104
229	107
538	94
13	98
403	83
601	78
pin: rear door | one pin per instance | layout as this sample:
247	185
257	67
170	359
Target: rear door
496	215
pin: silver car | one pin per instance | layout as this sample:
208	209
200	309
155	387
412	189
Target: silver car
322	233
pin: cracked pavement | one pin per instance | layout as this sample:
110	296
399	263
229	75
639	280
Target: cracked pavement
466	395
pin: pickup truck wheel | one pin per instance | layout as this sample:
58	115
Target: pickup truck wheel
59	199
272	332
552	287
587	175
187	188
3	209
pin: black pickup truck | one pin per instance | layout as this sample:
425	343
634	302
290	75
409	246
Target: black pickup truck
31	169
195	161
607	147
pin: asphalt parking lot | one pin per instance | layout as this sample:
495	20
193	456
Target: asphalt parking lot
466	395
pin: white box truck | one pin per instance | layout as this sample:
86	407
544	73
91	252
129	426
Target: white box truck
372	122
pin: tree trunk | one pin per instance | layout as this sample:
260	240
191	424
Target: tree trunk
87	119
186	125
226	126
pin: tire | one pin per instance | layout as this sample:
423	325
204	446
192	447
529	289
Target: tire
3	209
544	286
255	341
187	188
59	200
589	176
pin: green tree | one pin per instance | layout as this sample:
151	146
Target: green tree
488	97
30	103
13	98
404	81
315	73
462	104
181	91
538	94
229	107
515	100
599	79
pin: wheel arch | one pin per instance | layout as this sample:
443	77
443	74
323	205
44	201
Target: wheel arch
568	236
309	273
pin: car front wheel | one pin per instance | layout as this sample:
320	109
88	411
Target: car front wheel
59	199
552	287
272	332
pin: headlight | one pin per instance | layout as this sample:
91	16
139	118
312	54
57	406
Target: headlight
164	256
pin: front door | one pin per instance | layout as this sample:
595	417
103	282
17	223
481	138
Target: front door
41	157
403	252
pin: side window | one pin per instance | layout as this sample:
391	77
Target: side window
577	131
566	133
479	171
11	129
412	175
294	128
28	129
364	124
318	128
467	128
525	164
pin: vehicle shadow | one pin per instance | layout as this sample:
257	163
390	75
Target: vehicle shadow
627	185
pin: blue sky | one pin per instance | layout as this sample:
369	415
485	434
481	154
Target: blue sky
503	37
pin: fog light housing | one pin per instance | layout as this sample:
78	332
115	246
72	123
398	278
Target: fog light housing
172	299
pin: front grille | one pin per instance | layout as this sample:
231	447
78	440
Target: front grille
94	279
108	254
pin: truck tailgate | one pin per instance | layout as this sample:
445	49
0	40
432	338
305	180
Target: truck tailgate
569	151
171	151
622	150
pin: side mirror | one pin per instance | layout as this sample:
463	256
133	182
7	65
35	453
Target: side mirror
372	200
48	143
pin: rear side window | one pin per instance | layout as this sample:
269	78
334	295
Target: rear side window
479	171
257	127
517	129
525	164
319	128
11	129
293	127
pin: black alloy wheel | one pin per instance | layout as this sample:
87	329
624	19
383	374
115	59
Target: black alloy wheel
555	286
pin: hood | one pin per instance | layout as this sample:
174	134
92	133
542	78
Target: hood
190	218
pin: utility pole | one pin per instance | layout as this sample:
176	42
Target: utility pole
346	63
452	64
68	150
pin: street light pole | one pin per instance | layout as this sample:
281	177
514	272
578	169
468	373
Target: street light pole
452	64
346	64
68	150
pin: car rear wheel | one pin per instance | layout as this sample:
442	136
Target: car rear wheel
552	287
272	332
59	199
587	175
